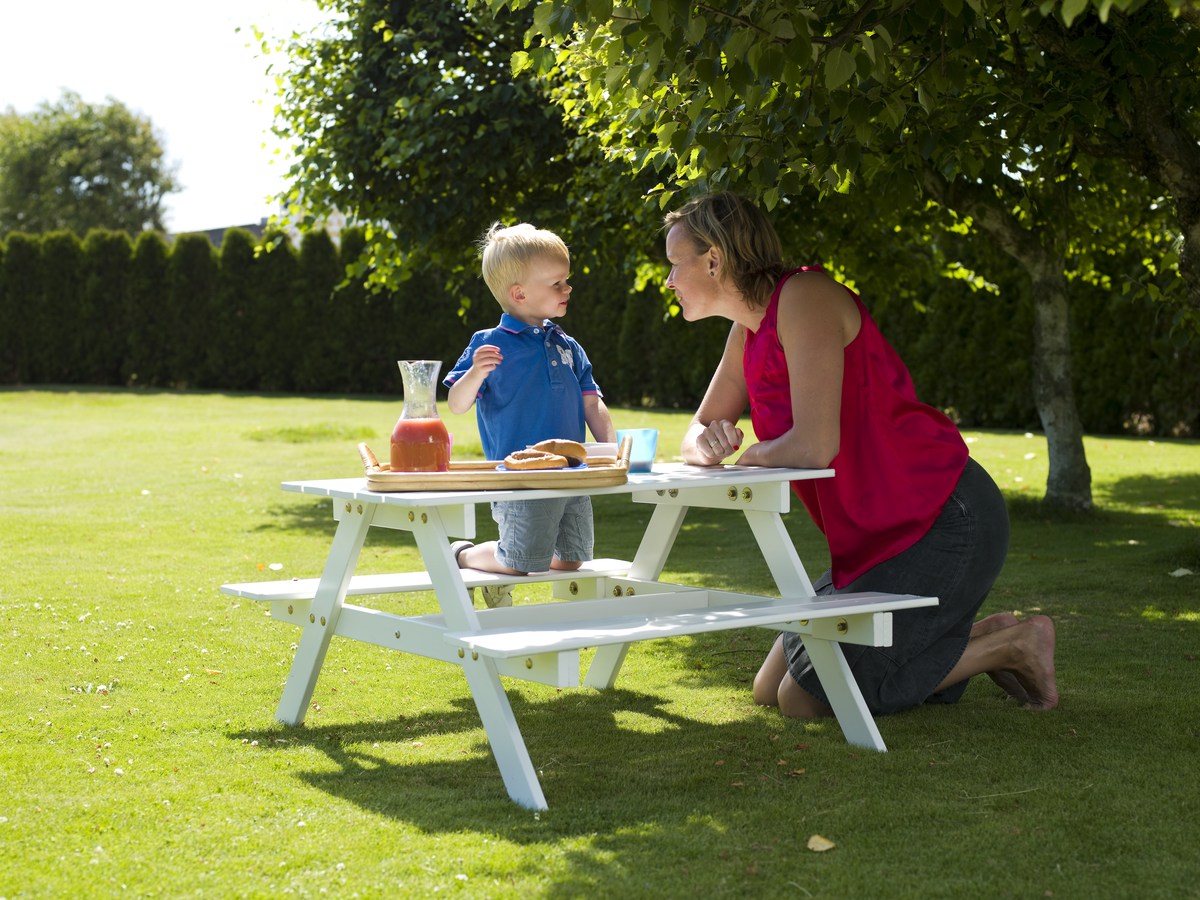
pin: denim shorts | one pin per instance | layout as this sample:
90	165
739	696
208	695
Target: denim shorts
957	561
533	532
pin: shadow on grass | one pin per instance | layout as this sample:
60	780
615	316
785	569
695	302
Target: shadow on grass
586	760
1172	492
1136	492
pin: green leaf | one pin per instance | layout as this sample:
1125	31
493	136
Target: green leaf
799	50
839	67
1071	9
600	10
520	62
660	14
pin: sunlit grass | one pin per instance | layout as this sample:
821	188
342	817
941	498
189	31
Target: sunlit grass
141	756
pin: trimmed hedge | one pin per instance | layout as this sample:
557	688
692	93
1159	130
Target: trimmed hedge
110	311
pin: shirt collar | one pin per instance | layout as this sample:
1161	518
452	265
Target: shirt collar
516	326
513	324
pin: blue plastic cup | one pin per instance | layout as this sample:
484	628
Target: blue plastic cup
645	445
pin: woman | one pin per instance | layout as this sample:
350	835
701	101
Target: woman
908	510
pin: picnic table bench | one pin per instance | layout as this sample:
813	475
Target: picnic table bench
610	604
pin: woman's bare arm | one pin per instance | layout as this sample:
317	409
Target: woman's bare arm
817	318
713	433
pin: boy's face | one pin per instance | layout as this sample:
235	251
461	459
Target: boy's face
544	292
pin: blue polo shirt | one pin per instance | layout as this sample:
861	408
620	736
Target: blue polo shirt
536	393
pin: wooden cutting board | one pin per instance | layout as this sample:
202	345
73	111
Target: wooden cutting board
485	474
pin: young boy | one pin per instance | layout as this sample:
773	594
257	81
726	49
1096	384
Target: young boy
529	382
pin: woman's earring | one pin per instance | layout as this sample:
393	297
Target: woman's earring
712	273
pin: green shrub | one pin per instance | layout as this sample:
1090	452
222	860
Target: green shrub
149	328
278	333
231	352
272	318
20	298
191	304
103	315
57	332
320	313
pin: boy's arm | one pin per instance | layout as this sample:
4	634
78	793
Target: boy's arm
462	393
598	419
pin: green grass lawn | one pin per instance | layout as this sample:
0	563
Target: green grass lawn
140	756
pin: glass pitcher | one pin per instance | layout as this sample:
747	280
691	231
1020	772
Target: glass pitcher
420	442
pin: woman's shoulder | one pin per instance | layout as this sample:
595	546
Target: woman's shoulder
810	294
813	283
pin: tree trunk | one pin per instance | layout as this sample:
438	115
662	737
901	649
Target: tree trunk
1069	480
1038	252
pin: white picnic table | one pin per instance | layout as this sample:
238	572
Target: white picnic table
607	605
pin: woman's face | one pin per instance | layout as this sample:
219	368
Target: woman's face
691	277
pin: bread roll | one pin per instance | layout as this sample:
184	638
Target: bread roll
534	459
574	451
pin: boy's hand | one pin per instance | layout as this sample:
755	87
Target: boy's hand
485	358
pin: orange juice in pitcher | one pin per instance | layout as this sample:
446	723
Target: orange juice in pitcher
420	442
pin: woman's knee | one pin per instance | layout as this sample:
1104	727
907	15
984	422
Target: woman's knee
766	682
797	703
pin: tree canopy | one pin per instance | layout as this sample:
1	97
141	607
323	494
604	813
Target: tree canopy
1044	131
78	166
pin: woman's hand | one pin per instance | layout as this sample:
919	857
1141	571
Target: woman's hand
708	445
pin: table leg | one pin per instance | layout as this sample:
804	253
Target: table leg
844	696
648	563
483	678
504	735
433	543
827	658
602	673
657	542
327	604
779	553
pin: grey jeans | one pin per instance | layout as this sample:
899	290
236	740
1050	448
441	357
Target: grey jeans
957	561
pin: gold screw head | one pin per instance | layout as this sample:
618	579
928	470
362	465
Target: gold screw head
322	620
747	494
731	493
360	509
311	618
461	653
347	506
474	654
424	518
528	663
573	588
290	609
412	516
842	627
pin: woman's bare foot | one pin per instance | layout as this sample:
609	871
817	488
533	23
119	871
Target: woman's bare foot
1007	681
1037	674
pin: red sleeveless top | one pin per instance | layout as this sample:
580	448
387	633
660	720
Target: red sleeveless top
898	459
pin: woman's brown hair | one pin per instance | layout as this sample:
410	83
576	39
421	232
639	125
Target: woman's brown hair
751	253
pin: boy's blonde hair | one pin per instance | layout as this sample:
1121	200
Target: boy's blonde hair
507	251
